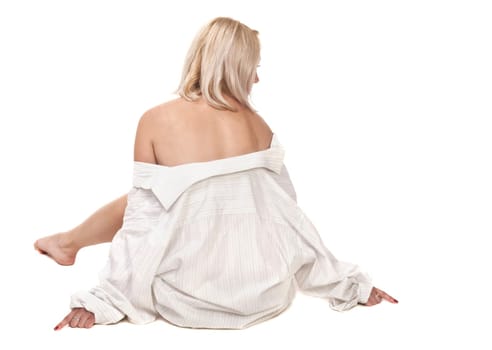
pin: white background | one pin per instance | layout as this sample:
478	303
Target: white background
384	109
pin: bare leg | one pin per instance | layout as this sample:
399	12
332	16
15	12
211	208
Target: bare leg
100	227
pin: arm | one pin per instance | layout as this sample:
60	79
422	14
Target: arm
108	302
322	275
144	146
125	283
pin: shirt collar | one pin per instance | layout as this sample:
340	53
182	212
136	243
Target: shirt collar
169	182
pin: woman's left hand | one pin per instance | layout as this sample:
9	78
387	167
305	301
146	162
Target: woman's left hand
77	318
377	295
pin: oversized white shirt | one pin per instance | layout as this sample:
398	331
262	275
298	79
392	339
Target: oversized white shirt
217	244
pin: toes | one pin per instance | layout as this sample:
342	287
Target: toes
36	247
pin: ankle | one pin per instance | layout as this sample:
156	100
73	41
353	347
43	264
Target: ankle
67	241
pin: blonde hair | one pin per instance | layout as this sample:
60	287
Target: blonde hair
222	60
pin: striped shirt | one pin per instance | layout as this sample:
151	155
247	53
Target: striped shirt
217	244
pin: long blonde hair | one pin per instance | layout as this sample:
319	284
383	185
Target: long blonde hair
222	60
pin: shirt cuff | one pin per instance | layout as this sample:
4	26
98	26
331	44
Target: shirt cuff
103	313
365	289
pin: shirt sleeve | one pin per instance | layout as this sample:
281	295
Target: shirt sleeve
321	275
125	283
286	183
100	303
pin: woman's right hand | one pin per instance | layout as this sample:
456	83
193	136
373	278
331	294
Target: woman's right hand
377	295
77	318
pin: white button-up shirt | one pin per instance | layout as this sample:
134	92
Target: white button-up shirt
217	244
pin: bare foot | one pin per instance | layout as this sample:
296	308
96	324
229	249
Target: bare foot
58	248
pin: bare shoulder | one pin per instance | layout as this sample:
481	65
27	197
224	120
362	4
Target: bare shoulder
263	130
162	110
262	122
151	125
160	118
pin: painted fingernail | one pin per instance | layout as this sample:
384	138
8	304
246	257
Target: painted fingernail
56	328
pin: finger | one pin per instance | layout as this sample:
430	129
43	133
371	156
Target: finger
373	298
76	319
83	319
388	297
74	322
371	301
90	321
65	321
376	301
378	295
60	325
38	249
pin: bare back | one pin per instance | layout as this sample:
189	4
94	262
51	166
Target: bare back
184	132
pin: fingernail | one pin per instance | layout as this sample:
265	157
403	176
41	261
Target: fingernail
57	328
396	301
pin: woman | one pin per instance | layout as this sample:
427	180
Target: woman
210	235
